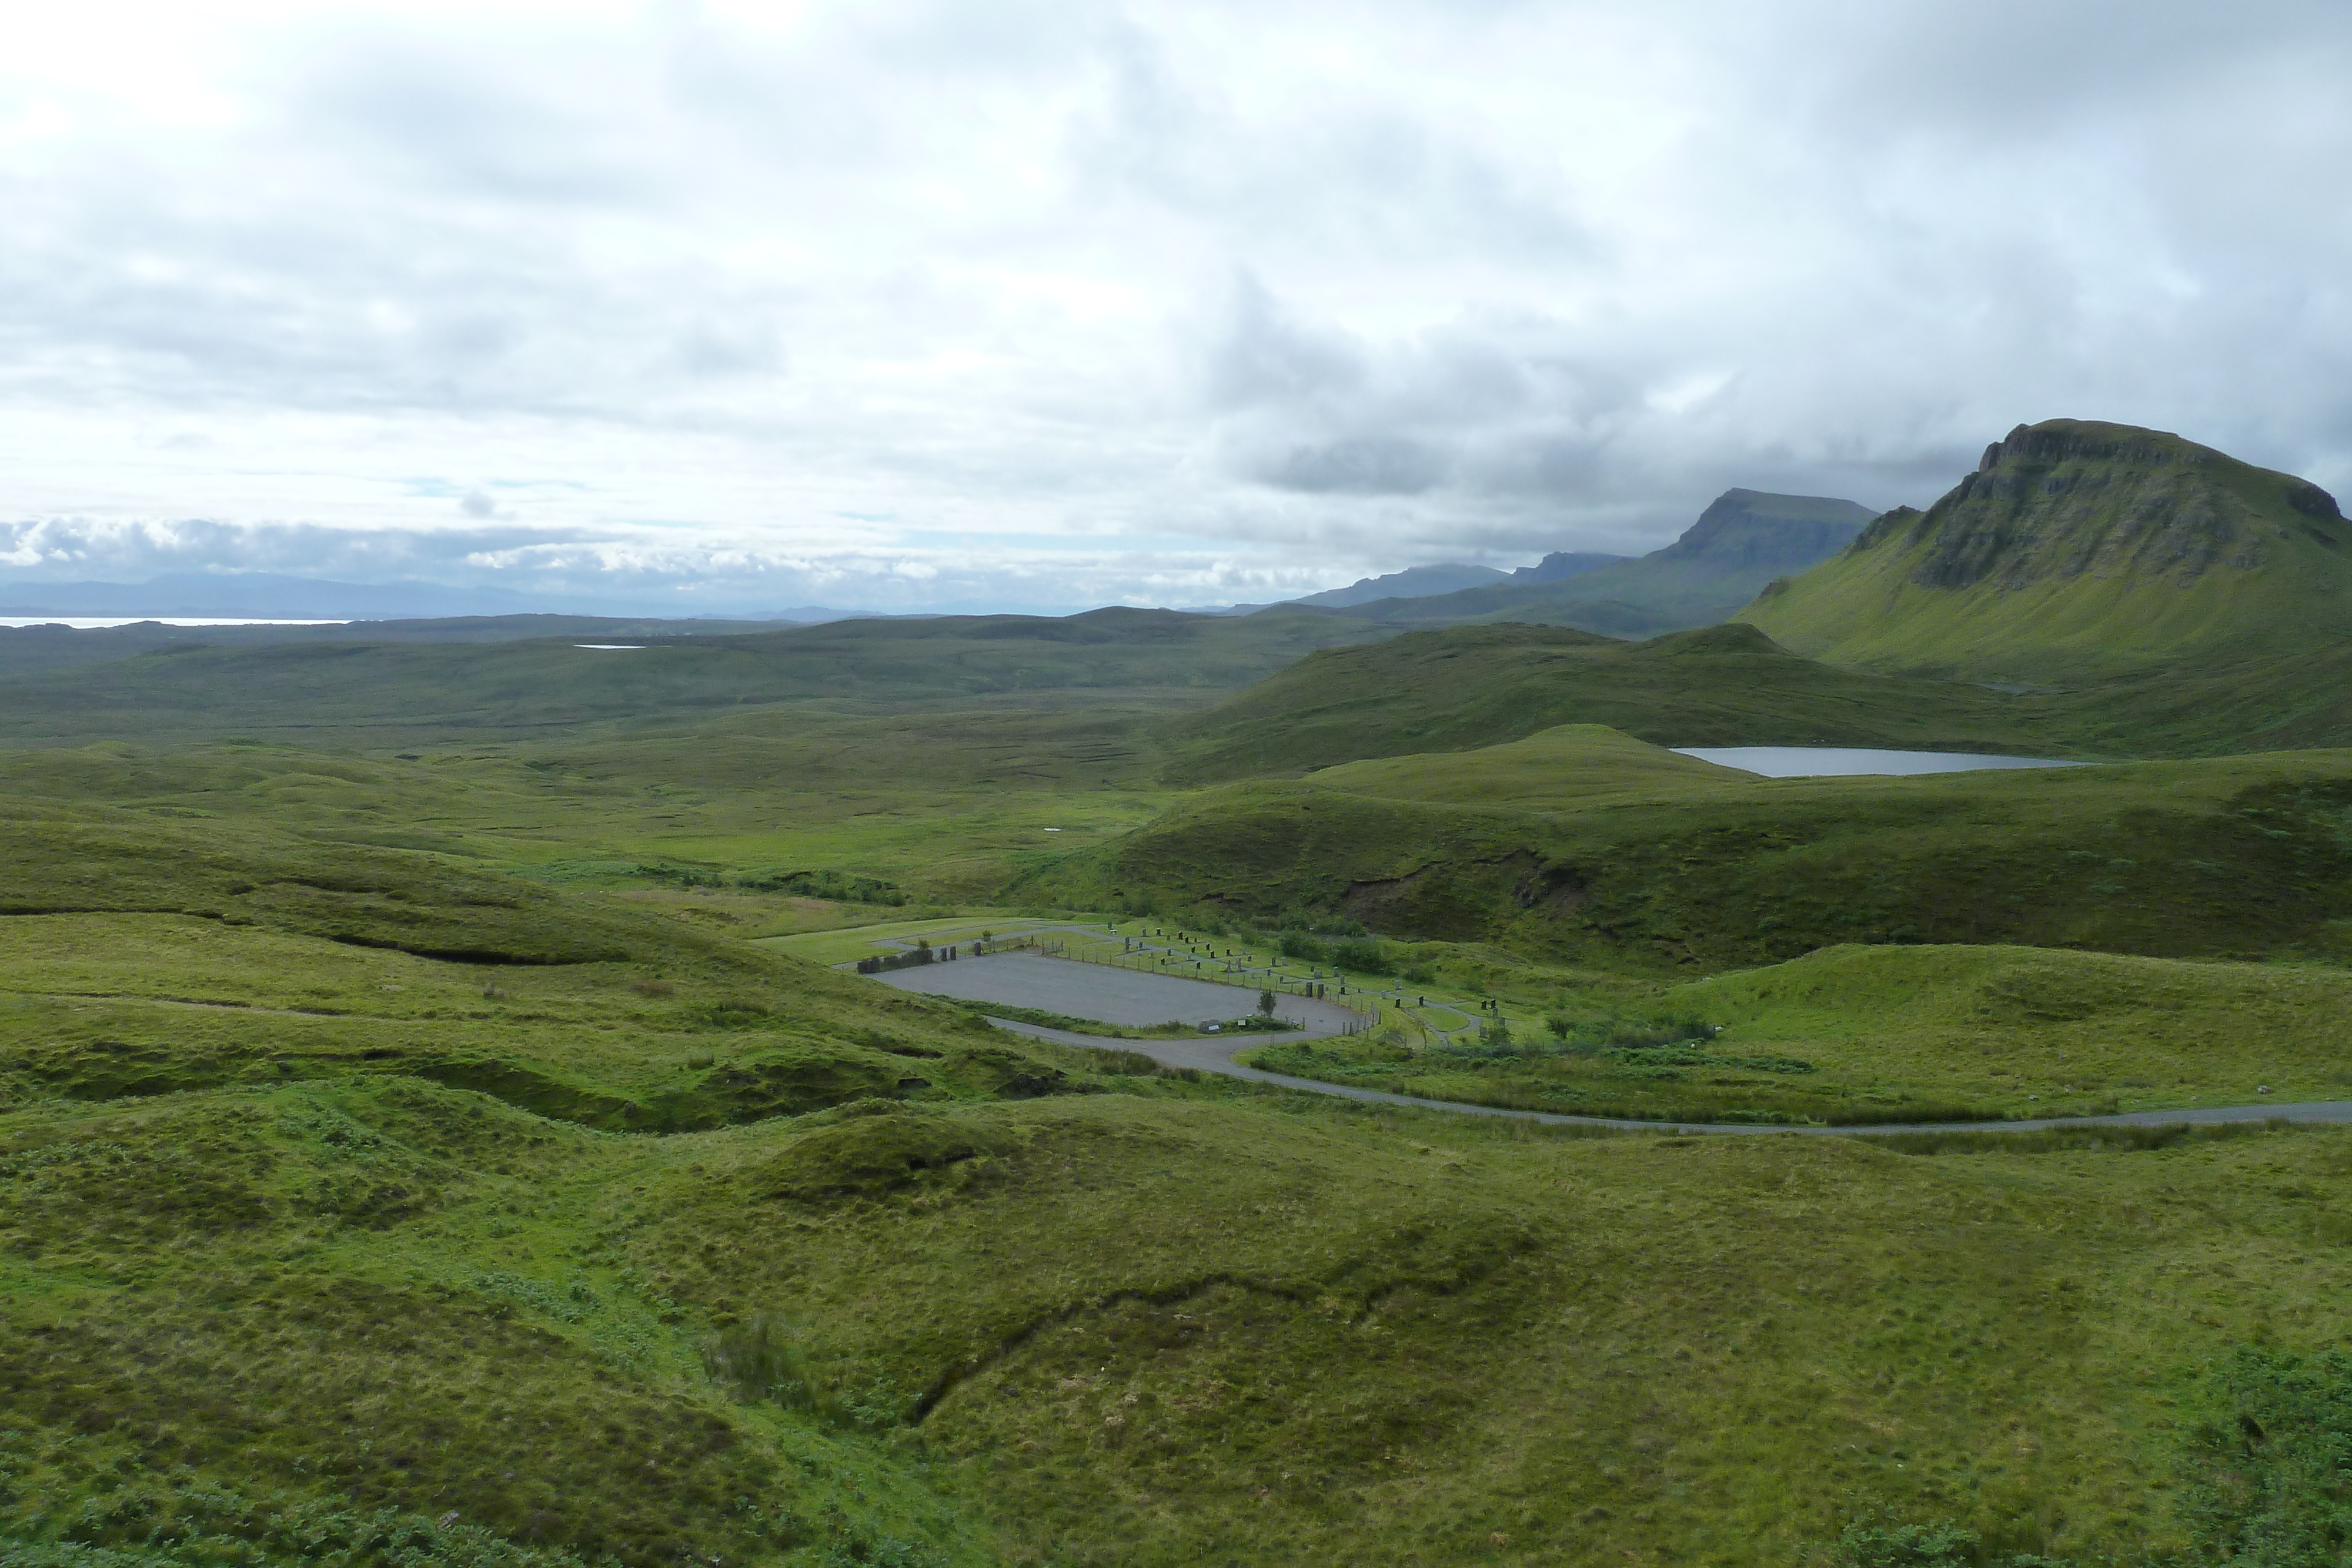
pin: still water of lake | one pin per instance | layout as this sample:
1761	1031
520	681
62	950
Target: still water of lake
1823	761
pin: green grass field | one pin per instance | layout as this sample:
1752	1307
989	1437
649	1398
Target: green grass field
2238	857
1476	686
255	1321
431	1133
1854	1035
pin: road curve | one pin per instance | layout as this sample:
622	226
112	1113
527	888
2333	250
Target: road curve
1212	1055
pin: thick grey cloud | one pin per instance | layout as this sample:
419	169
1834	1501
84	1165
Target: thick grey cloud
926	303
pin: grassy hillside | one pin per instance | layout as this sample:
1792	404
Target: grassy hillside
382	695
27	649
1564	768
1476	686
937	803
363	1200
2078	549
1852	1035
2227	857
1744	540
281	1286
1468	688
148	957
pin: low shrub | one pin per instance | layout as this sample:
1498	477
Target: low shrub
2270	1464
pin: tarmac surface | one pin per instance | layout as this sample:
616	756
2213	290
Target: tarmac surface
1132	998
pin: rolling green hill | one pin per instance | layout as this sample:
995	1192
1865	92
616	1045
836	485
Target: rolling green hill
1744	540
2079	550
317	1247
1622	859
1472	687
396	1173
1856	1034
1565	768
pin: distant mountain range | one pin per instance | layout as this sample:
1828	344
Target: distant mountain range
2076	548
274	596
1744	540
1450	577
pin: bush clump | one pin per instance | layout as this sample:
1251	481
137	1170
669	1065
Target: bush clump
2270	1465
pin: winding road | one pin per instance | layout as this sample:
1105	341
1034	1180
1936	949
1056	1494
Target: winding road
1214	1053
1208	1054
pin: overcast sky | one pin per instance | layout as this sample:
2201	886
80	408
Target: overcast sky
1047	303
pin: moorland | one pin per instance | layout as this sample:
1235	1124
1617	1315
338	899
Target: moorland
436	1125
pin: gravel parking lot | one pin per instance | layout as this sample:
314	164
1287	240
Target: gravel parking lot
1099	991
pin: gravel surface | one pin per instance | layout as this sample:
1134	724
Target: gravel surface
1128	998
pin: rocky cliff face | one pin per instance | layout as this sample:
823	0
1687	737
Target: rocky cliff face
2069	498
1749	530
1561	565
2078	549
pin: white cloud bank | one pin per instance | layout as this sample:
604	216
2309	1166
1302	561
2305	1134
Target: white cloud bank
908	304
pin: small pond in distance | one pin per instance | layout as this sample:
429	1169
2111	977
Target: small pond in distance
1822	761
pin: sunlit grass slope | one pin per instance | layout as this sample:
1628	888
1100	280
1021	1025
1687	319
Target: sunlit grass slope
2231	857
1476	686
2080	549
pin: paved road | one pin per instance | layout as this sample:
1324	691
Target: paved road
1208	1054
1213	1053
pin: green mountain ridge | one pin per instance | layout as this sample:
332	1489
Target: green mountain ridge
2079	547
1461	687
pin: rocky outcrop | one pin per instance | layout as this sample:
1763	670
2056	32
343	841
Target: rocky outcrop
2070	498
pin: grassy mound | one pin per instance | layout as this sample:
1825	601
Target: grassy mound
2072	1028
1851	1036
1565	768
2227	857
246	1323
667	1247
144	957
1476	686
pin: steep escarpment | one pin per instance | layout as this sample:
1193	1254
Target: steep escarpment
2078	547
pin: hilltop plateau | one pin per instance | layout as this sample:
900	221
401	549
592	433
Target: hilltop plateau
389	692
2078	548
